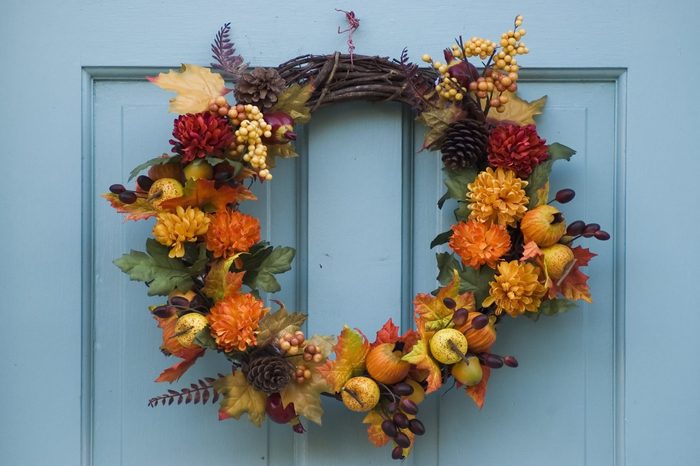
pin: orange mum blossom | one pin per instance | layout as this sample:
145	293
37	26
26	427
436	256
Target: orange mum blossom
231	232
497	196
478	244
234	321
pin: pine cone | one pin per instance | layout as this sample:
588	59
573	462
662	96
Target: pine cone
269	374
465	145
259	87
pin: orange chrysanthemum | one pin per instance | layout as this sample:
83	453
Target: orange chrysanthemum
478	244
234	321
516	288
231	232
497	197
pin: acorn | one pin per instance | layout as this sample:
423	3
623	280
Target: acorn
282	128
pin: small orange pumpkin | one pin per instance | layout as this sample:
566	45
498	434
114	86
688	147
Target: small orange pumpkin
479	340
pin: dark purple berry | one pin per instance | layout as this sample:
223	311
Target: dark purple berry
402	389
510	361
460	316
401	420
397	453
117	188
602	235
127	197
590	230
391	407
408	406
402	440
480	321
164	311
179	301
298	428
416	427
575	228
493	361
389	428
449	303
145	182
564	195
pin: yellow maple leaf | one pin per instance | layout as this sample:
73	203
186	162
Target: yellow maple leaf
219	282
519	110
350	353
375	434
239	397
280	321
421	358
306	396
195	87
431	312
292	101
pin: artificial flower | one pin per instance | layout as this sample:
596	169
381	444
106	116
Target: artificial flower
516	288
232	232
517	148
478	243
175	229
497	196
234	321
200	135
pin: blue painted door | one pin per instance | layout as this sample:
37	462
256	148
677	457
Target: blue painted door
612	383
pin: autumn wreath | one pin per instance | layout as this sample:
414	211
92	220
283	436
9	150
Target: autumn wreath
511	250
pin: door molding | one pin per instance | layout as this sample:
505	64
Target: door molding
617	76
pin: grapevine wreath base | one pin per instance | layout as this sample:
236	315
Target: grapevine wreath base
511	252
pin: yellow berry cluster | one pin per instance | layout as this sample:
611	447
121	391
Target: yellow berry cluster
219	106
476	47
448	87
302	373
511	45
251	129
493	81
291	343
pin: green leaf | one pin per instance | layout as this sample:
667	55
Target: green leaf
476	281
205	340
446	264
462	211
275	261
553	307
441	201
160	160
442	238
437	121
457	181
540	175
161	273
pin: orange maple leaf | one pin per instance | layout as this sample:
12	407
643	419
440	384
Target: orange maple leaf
478	392
574	286
173	347
375	434
389	333
203	193
139	210
350	353
432	314
531	250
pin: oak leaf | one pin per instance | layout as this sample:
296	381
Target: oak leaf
204	194
520	111
239	397
350	353
306	396
139	210
195	87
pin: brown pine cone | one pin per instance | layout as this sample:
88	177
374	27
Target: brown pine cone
464	145
259	87
269	374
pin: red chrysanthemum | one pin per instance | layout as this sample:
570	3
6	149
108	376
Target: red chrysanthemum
201	134
517	148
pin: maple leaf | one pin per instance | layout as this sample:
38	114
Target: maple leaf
239	397
530	251
292	101
306	396
273	323
389	333
350	353
195	87
420	357
324	344
204	194
219	282
375	434
574	285
173	347
430	311
478	392
161	273
520	111
437	122
139	210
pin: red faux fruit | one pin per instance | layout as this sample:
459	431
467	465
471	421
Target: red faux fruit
277	412
384	364
282	128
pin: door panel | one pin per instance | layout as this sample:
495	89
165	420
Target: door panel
359	205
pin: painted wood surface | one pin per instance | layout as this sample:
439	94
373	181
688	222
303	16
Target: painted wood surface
614	382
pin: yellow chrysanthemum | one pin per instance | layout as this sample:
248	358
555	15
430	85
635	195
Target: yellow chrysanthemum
516	288
478	244
182	226
497	197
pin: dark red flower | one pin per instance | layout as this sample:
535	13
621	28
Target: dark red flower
517	148
201	134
